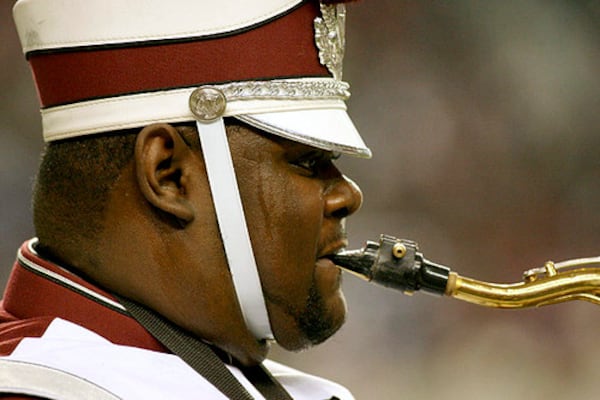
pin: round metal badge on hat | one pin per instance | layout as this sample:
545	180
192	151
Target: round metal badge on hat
207	103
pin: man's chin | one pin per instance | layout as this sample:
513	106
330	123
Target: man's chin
320	320
310	339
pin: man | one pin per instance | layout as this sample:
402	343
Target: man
187	200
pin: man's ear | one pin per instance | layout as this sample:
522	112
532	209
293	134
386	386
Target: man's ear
163	162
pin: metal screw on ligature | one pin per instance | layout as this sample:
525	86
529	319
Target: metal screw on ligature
207	103
399	250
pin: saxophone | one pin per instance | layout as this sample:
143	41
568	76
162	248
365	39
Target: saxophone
398	264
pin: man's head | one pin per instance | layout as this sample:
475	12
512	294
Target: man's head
138	218
223	228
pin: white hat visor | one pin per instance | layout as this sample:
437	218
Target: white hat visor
329	129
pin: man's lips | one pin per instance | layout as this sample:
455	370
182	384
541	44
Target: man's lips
325	262
333	248
327	275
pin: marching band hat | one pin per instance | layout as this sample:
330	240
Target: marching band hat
105	65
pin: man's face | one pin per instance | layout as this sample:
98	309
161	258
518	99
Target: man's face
295	201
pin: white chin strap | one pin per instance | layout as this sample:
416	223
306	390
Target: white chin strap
232	224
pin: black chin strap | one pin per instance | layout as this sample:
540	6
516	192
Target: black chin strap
203	359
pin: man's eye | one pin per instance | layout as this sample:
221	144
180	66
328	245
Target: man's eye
312	162
309	165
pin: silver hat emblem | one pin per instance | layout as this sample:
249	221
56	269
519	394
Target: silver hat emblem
330	37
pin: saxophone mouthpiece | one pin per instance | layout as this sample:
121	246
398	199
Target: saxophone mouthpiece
395	263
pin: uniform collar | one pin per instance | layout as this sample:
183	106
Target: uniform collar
38	287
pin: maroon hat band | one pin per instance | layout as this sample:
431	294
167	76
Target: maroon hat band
65	76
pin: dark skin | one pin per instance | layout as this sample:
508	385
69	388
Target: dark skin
160	214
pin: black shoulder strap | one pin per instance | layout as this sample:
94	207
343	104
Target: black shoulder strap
203	359
266	384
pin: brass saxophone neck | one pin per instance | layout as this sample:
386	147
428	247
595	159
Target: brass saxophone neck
540	287
398	264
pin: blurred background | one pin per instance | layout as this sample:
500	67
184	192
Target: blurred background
483	119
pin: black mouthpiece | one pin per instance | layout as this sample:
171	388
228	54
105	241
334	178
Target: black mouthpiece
395	263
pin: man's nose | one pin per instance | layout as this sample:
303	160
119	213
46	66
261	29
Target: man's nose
343	198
